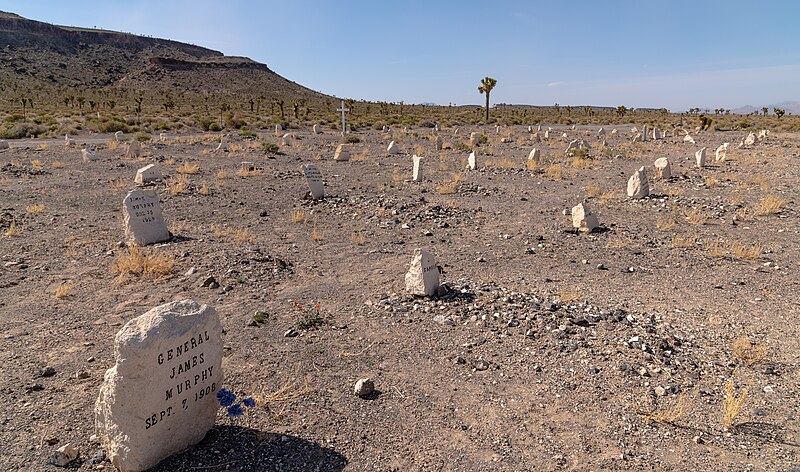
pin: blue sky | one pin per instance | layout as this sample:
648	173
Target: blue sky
675	54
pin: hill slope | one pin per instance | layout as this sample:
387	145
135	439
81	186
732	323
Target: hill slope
38	58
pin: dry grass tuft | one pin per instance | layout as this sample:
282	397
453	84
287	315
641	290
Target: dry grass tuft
14	231
187	168
251	172
244	235
448	188
673	414
593	190
531	164
142	263
732	404
288	392
770	205
37	164
204	190
619	241
717	249
299	216
748	352
63	290
222	174
578	162
570	295
359	238
177	185
506	163
555	172
58	165
743	251
682	242
695	217
37	208
317	235
112	144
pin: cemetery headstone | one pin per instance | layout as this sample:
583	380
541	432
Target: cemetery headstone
316	129
688	139
392	148
118	136
160	396
472	161
87	155
638	187
721	153
535	155
147	174
144	223
750	140
314	180
134	149
422	277
278	130
662	168
342	153
583	219
700	158
438	143
417	177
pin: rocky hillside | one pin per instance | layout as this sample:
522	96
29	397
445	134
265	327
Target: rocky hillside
37	59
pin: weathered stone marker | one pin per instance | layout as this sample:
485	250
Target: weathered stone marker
342	153
278	130
88	155
472	161
662	168
159	397
118	136
535	155
423	275
437	143
721	153
144	223
392	148
700	158
314	179
583	219
316	129
638	187
147	174
134	149
417	168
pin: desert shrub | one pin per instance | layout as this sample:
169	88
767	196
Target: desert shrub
13	118
234	122
22	130
744	124
427	124
350	139
110	127
463	147
206	124
248	134
270	147
141	137
162	126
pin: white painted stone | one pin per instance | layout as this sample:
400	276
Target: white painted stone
147	174
221	147
393	148
348	129
564	135
700	158
644	133
583	219
614	131
87	155
572	145
66	139
422	277
634	130
763	134
436	128
342	153
721	153
472	161
134	149
638	187
601	132
656	134
160	396
573	126
438	143
536	138
456	131
535	155
637	137
662	168
144	223
497	129
547	134
530	129
314	180
507	139
750	140
538	127
118	136
417	177
316	129
688	139
286	140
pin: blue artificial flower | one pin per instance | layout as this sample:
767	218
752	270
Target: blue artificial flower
249	402
226	397
235	410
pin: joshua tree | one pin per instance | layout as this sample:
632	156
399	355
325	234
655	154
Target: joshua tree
67	101
138	101
558	108
24	102
486	86
80	101
92	104
621	110
111	104
295	108
779	112
765	110
569	110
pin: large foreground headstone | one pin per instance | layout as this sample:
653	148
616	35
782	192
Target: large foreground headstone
159	397
638	186
314	179
144	223
423	275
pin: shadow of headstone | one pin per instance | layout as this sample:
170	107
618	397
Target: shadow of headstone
240	449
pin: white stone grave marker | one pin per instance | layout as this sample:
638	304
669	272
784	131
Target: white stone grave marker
314	180
147	174
144	223
423	276
417	177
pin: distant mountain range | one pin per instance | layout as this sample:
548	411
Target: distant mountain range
791	108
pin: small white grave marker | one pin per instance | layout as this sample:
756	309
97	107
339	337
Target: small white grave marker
472	161
342	153
700	158
638	187
147	174
662	168
721	153
87	155
343	110
423	276
134	149
583	219
314	180
417	177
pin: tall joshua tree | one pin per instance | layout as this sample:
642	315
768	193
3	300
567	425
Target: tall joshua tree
487	84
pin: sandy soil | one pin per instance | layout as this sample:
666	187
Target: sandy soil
551	347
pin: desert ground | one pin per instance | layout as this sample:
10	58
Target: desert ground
545	349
